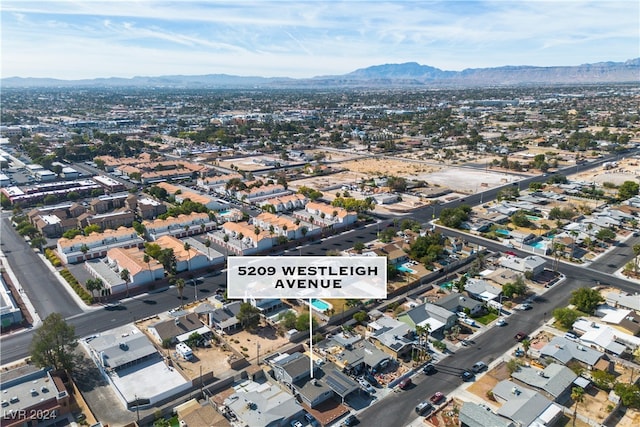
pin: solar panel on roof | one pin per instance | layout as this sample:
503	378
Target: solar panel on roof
337	386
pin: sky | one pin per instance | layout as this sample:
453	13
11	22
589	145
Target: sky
306	38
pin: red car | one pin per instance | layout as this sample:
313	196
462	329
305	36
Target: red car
437	398
520	336
405	383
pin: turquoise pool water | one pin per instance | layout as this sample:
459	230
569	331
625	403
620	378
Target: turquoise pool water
447	285
320	305
224	212
503	232
405	269
533	218
541	244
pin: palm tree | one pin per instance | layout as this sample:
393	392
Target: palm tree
147	260
126	276
577	395
423	334
207	243
526	345
558	248
187	248
636	253
574	235
180	286
256	231
93	285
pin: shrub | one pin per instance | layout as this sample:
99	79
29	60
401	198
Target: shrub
79	290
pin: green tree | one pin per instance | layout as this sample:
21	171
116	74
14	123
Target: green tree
91	229
629	394
603	380
586	299
248	316
288	319
566	316
454	217
520	219
605	234
627	190
358	247
302	322
53	344
361	317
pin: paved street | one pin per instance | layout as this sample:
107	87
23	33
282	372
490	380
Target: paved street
46	293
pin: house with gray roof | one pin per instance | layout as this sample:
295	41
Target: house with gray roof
394	337
620	299
352	353
119	352
482	290
525	407
439	319
178	329
564	351
457	302
532	263
294	372
224	319
555	381
264	405
474	415
291	368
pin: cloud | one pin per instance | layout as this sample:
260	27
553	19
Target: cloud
308	38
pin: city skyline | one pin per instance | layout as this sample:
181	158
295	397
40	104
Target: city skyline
92	39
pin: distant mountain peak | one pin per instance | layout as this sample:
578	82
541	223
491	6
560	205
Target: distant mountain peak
408	74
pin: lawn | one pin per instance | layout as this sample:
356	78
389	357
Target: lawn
486	319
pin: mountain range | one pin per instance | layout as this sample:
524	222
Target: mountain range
410	74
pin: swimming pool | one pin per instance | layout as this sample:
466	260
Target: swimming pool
540	244
503	232
447	285
320	305
225	212
405	269
533	218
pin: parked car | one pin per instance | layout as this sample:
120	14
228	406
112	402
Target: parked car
571	336
520	336
466	376
501	322
436	398
424	408
405	383
309	418
429	369
525	306
351	420
366	386
371	380
296	423
518	352
479	367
